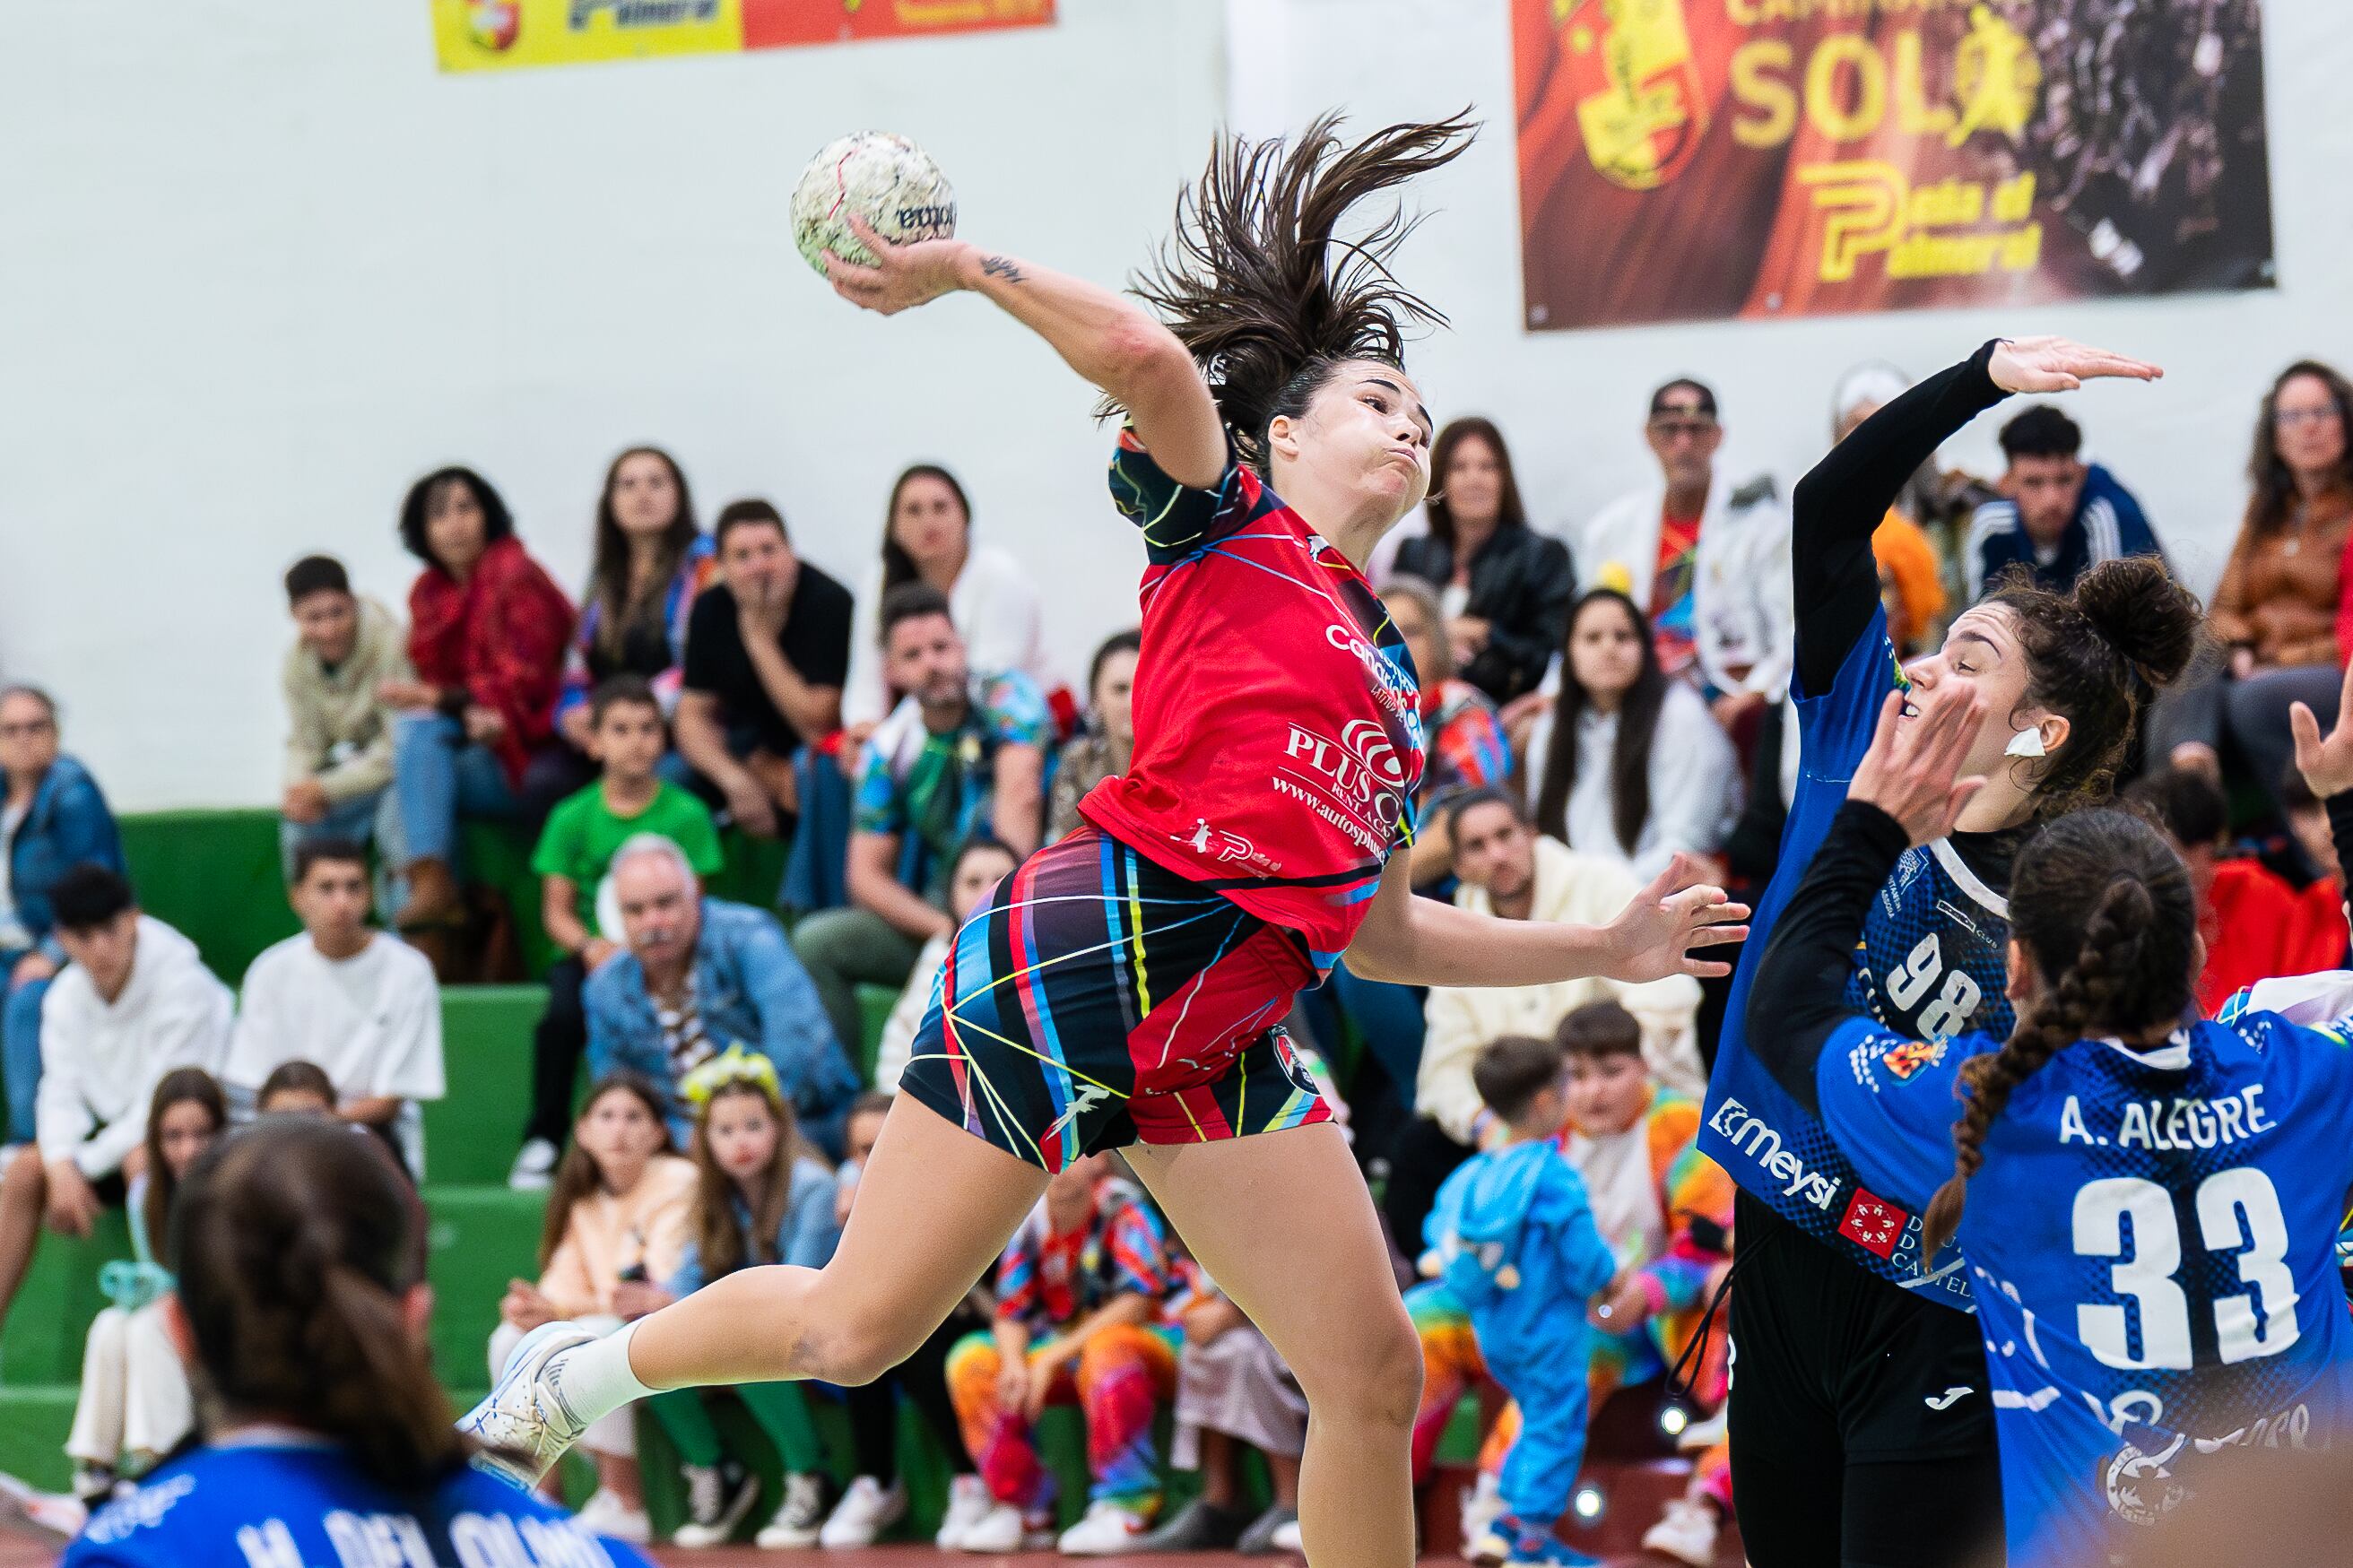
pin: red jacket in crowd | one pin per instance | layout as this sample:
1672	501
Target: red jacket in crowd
501	637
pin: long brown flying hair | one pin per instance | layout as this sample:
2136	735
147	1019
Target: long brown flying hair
1249	281
2106	910
724	1245
609	573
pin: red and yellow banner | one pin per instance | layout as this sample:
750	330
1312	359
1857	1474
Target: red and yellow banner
504	35
1692	159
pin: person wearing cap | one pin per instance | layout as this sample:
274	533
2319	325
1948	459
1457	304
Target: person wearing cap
1709	562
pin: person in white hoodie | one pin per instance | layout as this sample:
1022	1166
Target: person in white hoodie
1510	870
134	1001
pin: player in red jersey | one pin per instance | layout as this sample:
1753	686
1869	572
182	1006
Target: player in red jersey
1126	986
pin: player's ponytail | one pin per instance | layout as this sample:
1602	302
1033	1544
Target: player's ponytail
2096	655
2105	908
1257	283
296	1245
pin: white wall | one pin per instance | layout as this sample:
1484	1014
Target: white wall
264	265
1572	403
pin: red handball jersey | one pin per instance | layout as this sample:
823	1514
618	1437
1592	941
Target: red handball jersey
1278	734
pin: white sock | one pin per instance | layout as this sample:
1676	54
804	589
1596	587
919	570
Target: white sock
596	1379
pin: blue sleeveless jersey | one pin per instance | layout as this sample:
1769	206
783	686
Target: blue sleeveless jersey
2153	1238
293	1503
1930	964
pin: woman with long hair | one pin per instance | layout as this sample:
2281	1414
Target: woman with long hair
2277	611
301	1310
1849	1446
1504	588
1627	763
2149	1202
650	561
134	1391
474	731
927	538
1126	986
620	1218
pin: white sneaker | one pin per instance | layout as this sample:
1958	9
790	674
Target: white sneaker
1006	1528
1483	1505
524	1425
864	1512
968	1499
1286	1538
1686	1533
1109	1527
799	1518
533	1168
607	1515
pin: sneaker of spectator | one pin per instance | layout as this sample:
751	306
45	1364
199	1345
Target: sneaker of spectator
767	649
338	769
866	1510
968	1504
362	1004
1108	1528
1686	1532
959	754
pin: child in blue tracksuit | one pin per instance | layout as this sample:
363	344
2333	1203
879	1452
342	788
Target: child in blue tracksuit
1514	1239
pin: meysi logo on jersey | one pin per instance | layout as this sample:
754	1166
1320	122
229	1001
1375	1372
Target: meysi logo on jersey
1754	1137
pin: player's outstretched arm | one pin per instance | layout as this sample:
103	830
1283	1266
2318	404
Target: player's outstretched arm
1414	941
1109	338
1907	791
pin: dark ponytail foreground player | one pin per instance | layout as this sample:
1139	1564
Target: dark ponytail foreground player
1124	987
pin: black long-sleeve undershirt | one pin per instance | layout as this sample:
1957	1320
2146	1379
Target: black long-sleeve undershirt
1797	999
1843	500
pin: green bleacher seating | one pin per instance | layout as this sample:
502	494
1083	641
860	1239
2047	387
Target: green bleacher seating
472	1132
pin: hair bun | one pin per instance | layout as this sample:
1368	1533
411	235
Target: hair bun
2138	609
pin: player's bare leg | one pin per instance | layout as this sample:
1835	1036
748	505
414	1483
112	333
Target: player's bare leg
1283	1222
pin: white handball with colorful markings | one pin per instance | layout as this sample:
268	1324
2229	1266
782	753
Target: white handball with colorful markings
885	179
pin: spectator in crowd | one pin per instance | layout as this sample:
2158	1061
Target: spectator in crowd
575	854
1709	564
701	973
927	539
1233	1391
964	752
767	649
2252	921
979	866
2320	906
134	1001
1104	745
1504	588
338	730
2057	514
1628	763
1081	1292
1463	731
1664	1208
878	1497
2279	612
474	734
53	816
620	1213
363	1005
1508	870
1514	1249
761	1196
134	1406
296	1087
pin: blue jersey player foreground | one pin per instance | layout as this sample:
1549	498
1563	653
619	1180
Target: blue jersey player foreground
1847	1443
301	1312
2149	1202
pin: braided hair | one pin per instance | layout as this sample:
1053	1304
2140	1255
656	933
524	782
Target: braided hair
2105	908
1248	281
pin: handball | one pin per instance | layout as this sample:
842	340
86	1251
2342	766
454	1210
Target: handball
887	180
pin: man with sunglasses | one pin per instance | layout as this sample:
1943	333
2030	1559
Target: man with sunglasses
1708	563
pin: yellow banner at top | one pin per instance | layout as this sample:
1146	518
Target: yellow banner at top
506	35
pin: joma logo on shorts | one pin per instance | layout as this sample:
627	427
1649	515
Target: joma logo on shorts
1749	1133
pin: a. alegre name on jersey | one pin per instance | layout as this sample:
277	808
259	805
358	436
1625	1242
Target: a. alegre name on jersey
2172	1123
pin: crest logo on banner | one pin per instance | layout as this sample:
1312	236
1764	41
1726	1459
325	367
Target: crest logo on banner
1639	102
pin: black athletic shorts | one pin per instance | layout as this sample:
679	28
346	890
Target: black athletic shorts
1862	1418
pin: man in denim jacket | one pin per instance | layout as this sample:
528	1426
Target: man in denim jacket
700	975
